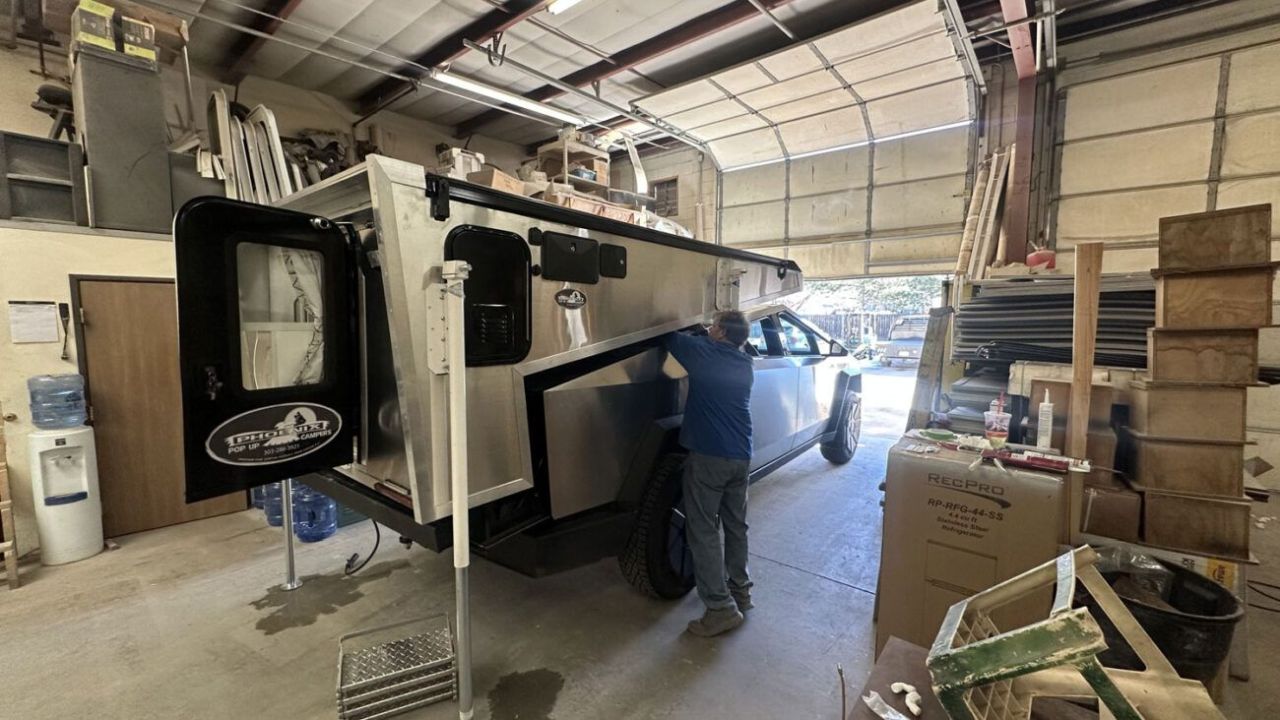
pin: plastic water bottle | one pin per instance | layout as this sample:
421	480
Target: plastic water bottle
57	401
315	515
271	506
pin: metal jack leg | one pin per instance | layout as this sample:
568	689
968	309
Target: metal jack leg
291	581
454	273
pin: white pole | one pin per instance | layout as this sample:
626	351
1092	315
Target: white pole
291	581
454	273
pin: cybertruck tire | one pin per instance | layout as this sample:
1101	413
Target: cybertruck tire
656	559
841	448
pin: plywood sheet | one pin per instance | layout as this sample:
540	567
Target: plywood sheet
1129	161
1186	91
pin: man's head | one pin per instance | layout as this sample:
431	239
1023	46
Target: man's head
730	326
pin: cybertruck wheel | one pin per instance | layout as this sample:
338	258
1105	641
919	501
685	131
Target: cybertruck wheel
848	429
656	559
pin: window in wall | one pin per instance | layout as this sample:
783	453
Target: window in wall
666	197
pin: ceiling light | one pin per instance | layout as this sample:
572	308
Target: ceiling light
489	91
558	6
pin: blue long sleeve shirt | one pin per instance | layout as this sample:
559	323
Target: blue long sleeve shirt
717	414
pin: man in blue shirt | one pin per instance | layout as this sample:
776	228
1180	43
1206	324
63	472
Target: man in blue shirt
717	433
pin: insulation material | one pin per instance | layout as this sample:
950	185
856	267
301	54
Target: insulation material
1252	78
927	203
914	268
943	248
1125	161
843	213
905	57
826	260
924	156
1117	259
1182	92
844	169
752	223
767	182
1255	191
1253	146
1124	216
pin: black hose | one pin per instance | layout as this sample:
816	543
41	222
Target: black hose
352	568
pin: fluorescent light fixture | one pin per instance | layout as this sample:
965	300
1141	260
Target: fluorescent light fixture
850	146
494	93
558	6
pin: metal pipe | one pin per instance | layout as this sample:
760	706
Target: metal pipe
291	581
454	274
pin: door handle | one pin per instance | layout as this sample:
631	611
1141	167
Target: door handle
212	385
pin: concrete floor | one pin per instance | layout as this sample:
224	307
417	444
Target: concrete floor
183	622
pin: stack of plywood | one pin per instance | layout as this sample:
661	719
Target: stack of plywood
8	545
1187	418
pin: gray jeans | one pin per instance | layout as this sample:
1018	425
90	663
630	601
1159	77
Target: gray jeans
715	489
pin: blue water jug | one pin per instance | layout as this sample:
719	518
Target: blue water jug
57	401
256	495
271	506
315	515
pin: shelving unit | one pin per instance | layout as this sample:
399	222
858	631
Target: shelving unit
41	179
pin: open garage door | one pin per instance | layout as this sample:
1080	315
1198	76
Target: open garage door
851	153
1166	128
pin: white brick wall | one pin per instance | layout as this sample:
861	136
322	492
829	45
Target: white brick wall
683	165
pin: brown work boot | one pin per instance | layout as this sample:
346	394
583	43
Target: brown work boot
716	622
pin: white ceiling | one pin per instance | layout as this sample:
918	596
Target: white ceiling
896	73
397	29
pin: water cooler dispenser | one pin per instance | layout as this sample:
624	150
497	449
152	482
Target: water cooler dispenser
64	487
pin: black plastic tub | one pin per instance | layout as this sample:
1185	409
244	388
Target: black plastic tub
1192	622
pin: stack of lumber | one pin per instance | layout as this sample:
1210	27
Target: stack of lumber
8	545
1187	417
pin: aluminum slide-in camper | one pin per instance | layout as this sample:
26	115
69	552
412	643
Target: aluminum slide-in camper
307	335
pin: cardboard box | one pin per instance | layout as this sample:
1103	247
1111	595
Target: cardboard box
1113	513
498	180
950	532
1102	443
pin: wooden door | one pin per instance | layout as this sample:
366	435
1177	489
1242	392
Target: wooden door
128	352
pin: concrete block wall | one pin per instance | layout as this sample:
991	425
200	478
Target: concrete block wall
697	186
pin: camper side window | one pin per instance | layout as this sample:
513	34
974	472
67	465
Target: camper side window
281	308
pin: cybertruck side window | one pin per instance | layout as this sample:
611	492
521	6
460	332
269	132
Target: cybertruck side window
281	315
796	337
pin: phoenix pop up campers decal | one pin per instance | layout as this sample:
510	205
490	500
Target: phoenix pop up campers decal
273	434
571	298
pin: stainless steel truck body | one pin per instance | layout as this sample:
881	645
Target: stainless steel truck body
310	342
